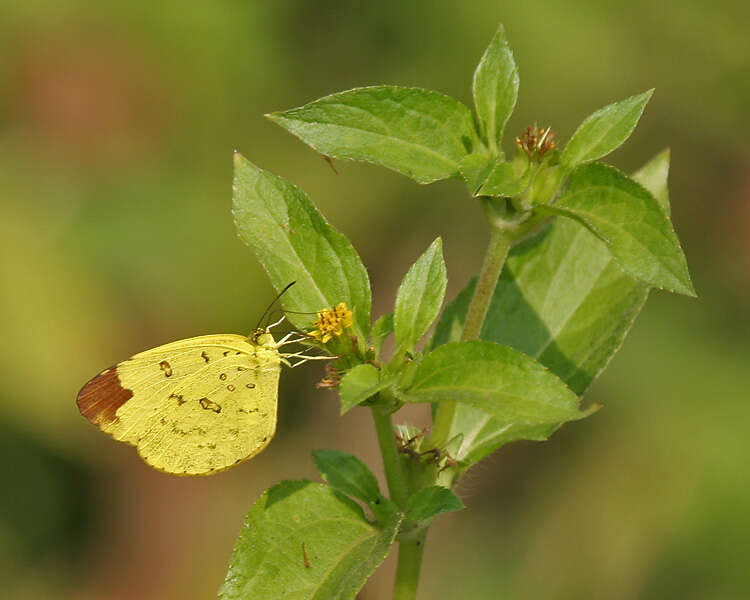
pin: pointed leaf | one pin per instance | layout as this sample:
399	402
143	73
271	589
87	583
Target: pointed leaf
421	134
653	176
495	88
305	541
605	130
359	384
420	297
429	502
347	473
630	221
294	242
495	379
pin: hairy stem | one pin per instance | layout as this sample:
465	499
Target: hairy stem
494	260
409	563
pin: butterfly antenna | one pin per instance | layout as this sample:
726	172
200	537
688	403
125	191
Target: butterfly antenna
275	300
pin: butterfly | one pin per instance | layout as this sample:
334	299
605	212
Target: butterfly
196	406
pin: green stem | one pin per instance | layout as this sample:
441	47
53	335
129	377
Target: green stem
494	260
394	471
409	563
409	550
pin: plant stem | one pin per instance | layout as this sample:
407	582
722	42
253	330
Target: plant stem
409	563
494	260
409	550
394	472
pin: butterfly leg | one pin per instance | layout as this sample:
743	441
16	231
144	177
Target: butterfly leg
286	339
304	358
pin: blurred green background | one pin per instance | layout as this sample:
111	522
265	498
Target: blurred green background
117	123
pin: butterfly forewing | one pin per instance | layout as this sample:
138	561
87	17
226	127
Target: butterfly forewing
192	407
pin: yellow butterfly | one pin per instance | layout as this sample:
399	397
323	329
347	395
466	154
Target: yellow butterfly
195	406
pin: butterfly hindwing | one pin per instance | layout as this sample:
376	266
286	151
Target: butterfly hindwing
192	407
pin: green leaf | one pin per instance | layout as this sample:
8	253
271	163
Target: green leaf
430	502
495	379
294	242
347	473
495	89
630	221
359	384
305	541
480	433
421	134
545	185
485	434
474	170
605	130
502	180
381	329
488	176
653	176
420	297
561	299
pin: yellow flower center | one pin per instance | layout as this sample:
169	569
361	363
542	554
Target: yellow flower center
331	322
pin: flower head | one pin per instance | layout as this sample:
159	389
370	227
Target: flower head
331	322
536	141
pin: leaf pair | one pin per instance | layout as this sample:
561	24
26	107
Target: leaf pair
286	547
351	476
428	136
418	302
418	133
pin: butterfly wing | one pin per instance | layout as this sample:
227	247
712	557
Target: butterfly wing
192	407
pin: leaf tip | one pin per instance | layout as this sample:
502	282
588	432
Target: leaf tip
683	287
500	32
690	291
238	158
644	97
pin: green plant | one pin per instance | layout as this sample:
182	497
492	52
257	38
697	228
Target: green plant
575	245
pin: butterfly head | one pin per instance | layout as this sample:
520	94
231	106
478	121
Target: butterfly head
263	337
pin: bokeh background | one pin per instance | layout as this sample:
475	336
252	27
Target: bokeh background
117	123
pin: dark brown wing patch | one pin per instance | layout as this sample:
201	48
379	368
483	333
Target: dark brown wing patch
100	398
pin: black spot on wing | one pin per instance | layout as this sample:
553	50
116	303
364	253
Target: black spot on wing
207	404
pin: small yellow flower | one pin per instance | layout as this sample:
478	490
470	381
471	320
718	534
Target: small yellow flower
331	322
